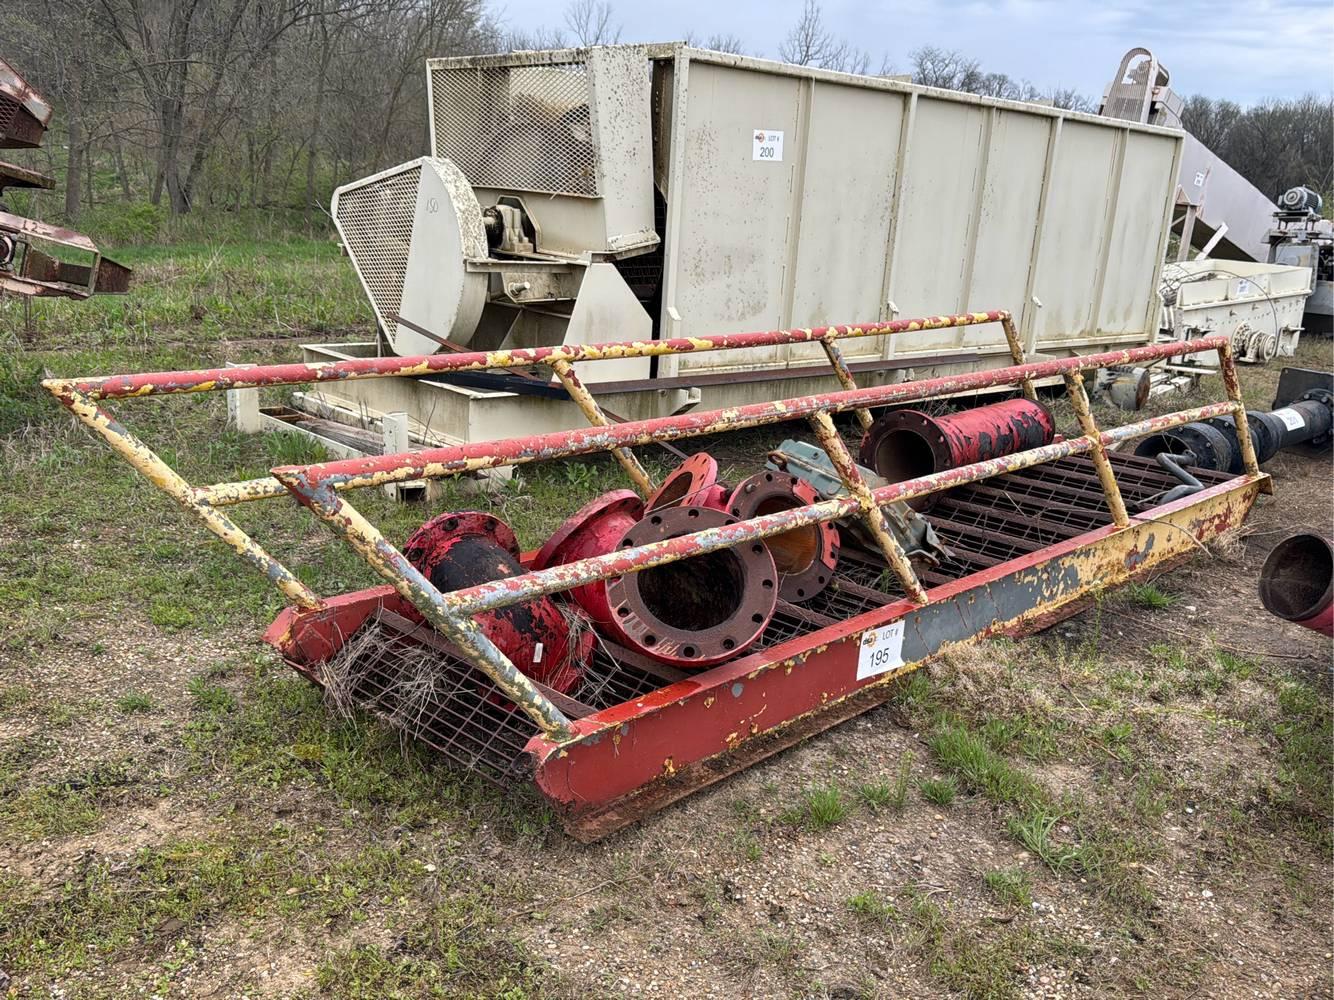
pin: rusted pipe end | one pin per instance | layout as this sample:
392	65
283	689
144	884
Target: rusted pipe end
456	550
697	611
1297	581
693	483
804	557
593	530
905	444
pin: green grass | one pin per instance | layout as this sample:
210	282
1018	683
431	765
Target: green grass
440	955
207	291
981	768
820	807
134	701
940	791
1304	733
1147	595
1010	885
893	794
872	908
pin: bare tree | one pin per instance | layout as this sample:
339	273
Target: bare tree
589	22
810	43
716	43
945	68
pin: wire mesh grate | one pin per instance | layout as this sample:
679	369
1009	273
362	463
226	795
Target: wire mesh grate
375	222
9	109
526	128
452	708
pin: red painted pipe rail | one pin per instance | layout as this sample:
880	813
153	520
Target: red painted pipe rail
430	462
515	589
259	376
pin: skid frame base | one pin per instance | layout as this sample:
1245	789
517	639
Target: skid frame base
641	754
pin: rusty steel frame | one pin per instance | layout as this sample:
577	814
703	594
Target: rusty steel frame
316	486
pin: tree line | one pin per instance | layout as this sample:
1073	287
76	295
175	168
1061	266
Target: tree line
230	104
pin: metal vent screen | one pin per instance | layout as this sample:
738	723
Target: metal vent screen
9	109
375	221
524	128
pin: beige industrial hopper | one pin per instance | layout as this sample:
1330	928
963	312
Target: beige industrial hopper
635	192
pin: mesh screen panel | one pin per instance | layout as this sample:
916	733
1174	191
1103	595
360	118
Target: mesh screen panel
517	127
8	109
376	224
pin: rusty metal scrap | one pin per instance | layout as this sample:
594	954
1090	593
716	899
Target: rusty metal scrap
633	733
25	114
25	269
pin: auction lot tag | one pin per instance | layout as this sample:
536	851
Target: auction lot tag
1292	420
767	145
881	650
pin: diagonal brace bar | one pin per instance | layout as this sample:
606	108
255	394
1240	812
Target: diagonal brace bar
838	453
347	522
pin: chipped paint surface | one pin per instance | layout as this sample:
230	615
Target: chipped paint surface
258	376
596	797
435	462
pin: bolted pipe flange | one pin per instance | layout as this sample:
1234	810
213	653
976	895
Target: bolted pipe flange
698	611
693	483
804	557
593	530
1212	448
906	444
456	550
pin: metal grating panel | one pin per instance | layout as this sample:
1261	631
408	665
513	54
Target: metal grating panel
456	711
9	108
525	128
375	221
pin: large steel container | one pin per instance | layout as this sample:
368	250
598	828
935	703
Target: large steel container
656	191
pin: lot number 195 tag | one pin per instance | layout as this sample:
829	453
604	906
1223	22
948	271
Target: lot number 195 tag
881	650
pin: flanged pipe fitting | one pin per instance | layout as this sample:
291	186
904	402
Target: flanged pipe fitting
906	444
1210	446
593	530
1297	581
698	611
693	483
804	557
471	547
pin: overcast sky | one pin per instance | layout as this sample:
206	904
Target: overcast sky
1243	51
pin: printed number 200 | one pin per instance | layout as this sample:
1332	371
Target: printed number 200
766	152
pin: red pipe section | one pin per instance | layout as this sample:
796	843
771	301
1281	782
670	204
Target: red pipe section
1297	582
804	557
909	444
471	547
593	530
698	611
693	483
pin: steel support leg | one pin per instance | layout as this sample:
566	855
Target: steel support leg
845	378
1074	387
1017	353
875	517
585	401
1227	364
161	475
